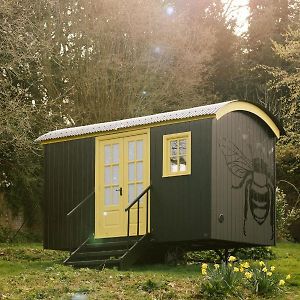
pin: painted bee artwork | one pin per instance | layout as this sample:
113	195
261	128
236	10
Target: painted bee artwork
252	175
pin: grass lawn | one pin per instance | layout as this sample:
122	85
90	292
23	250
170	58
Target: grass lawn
28	272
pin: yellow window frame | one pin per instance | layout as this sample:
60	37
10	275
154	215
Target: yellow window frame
167	139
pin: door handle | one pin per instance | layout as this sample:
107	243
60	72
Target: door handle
120	190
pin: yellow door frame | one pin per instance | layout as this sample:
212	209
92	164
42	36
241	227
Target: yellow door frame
99	176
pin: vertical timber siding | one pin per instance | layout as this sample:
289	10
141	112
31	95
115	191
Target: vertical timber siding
239	139
180	205
69	178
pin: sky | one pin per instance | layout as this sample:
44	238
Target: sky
239	10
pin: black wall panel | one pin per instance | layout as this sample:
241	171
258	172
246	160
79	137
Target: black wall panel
243	179
180	205
69	178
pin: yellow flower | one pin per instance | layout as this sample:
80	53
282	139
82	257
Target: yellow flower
261	263
204	266
272	268
245	265
248	275
241	270
231	258
288	277
265	270
204	272
216	266
269	273
235	269
230	265
281	282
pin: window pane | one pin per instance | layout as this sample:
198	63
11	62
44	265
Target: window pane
182	163
115	150
139	171
173	148
139	190
182	147
173	164
131	147
107	154
139	150
115	195
131	175
107	175
115	174
131	192
107	196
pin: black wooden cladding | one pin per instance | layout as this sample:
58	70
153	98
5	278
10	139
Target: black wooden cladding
69	178
239	137
180	205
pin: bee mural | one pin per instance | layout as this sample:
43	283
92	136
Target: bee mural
252	175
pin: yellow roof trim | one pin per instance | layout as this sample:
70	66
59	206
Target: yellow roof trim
249	107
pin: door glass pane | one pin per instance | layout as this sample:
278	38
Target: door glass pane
139	190
139	171
131	155
139	150
182	147
115	151
173	148
131	192
173	164
115	174
115	195
107	154
182	163
131	175
107	175
107	196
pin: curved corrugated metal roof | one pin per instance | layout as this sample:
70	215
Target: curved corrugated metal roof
205	110
213	110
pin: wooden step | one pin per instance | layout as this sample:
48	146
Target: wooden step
99	254
108	245
94	263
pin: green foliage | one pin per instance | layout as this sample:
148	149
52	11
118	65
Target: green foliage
242	253
285	215
7	234
231	279
220	281
264	281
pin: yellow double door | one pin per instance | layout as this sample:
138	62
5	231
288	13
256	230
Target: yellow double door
121	174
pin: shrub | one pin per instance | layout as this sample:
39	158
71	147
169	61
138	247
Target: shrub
221	281
285	215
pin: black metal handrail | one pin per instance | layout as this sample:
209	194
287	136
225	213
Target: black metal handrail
70	214
137	200
78	205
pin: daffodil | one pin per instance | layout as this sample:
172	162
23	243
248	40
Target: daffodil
261	263
265	270
281	282
203	271
204	266
231	258
269	273
288	277
241	270
245	265
272	268
248	275
216	266
235	269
